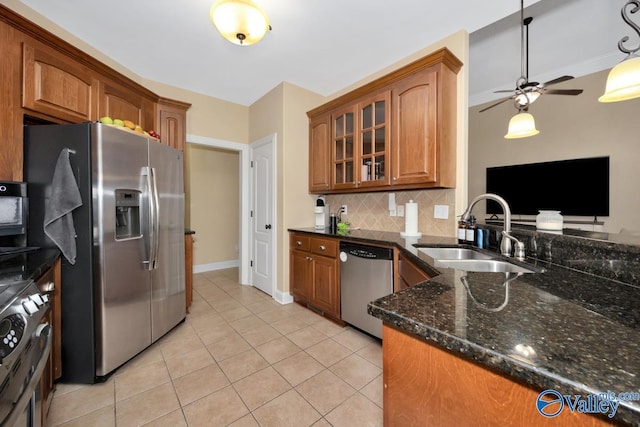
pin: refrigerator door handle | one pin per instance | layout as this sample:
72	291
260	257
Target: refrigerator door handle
150	229
155	223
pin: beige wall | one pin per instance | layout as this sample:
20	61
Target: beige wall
283	111
370	210
214	176
570	127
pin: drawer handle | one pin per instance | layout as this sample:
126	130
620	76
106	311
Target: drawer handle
298	242
308	258
323	247
49	287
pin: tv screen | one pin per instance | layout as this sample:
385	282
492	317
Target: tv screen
578	187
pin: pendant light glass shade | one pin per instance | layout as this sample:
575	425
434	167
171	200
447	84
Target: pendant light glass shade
240	21
522	125
623	81
528	98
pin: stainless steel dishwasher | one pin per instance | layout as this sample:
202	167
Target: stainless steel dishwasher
366	274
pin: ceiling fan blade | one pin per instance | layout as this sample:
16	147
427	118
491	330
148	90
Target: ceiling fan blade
503	91
563	92
558	80
496	104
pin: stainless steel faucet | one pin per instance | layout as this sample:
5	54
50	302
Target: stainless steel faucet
506	237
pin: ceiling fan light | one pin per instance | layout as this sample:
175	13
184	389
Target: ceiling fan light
522	98
623	81
242	22
522	125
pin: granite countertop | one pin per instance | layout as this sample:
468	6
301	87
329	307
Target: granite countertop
27	265
563	329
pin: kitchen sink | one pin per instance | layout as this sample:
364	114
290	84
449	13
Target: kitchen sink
454	253
483	265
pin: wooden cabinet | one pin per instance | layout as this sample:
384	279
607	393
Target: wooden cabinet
171	122
360	143
57	86
320	154
408	274
119	102
314	275
49	284
397	132
424	124
343	148
424	385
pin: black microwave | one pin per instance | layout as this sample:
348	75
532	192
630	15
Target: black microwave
13	208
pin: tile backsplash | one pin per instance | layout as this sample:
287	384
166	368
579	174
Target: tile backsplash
370	211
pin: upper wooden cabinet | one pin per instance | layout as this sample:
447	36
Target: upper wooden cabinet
171	122
320	153
359	143
397	132
55	85
119	102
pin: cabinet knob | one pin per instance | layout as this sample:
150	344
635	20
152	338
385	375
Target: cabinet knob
298	242
323	247
308	258
394	178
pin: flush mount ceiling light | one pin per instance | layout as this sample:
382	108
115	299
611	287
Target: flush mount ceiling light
623	82
241	22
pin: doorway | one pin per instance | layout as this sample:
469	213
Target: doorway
247	199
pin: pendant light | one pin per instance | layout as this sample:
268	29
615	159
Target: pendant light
242	22
623	81
523	124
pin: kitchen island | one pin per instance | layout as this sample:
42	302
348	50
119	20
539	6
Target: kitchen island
567	330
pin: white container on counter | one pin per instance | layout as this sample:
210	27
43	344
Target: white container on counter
549	220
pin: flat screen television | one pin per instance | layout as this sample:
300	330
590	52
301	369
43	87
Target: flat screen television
577	187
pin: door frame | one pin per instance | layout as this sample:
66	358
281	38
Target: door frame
269	139
245	195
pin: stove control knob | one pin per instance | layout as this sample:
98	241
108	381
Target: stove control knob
45	297
37	298
30	307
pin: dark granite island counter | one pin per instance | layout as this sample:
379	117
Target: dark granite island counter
575	333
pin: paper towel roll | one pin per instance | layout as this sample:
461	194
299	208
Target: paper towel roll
411	219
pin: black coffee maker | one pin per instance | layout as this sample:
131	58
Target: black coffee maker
14	208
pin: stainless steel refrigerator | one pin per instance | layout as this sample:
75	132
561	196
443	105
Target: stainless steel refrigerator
126	288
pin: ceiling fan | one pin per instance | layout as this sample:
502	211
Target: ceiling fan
527	92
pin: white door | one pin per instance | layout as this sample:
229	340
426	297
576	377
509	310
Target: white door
263	219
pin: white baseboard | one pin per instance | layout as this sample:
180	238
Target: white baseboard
216	266
282	297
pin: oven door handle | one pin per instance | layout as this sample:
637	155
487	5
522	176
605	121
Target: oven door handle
43	331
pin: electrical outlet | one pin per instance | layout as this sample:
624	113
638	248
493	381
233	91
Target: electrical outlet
344	209
441	212
400	210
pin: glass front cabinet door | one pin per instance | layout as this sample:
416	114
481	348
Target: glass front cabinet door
360	143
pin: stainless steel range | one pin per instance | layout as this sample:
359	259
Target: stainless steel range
25	344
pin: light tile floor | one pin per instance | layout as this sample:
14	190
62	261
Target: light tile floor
240	359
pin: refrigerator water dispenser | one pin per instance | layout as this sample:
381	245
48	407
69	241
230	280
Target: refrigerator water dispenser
127	214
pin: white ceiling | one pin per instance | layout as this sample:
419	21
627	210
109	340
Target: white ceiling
327	45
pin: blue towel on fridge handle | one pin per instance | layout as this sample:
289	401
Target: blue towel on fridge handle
62	197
